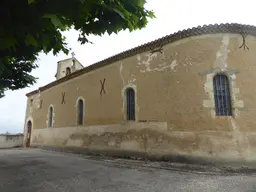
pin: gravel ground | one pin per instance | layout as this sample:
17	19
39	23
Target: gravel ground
35	170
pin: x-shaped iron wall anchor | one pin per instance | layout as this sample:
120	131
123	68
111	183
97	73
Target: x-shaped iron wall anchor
160	50
244	43
102	86
63	97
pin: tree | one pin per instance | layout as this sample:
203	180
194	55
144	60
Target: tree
29	27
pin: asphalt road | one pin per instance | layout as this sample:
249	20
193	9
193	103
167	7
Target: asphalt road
34	170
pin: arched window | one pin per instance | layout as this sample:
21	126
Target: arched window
130	104
222	95
50	120
68	70
80	112
29	125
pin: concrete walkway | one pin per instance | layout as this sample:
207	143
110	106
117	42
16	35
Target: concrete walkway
34	170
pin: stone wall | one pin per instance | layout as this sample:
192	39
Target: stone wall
152	139
10	141
173	88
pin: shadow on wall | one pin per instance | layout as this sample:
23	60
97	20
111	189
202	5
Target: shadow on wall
11	140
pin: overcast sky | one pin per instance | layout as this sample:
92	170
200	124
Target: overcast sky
171	17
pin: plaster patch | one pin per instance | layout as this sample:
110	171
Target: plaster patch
239	138
239	104
75	143
208	104
173	64
33	102
236	90
112	143
138	57
130	145
222	54
208	86
147	62
121	74
233	76
133	79
160	67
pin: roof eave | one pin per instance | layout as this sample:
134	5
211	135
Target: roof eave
195	31
32	93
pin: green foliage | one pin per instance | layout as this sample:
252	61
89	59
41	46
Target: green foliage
31	26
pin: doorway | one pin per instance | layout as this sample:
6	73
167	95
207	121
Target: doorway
29	128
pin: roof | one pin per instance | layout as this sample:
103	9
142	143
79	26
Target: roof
65	59
32	92
195	31
70	58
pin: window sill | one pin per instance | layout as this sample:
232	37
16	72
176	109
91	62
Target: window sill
224	117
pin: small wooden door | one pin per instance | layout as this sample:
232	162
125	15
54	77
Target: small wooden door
29	127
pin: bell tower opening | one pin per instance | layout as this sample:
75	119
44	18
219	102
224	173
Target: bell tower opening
68	70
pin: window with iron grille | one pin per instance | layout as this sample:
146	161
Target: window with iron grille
50	120
130	104
222	95
80	111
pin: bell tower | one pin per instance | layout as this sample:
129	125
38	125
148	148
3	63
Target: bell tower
67	66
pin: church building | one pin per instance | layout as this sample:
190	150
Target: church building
190	94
